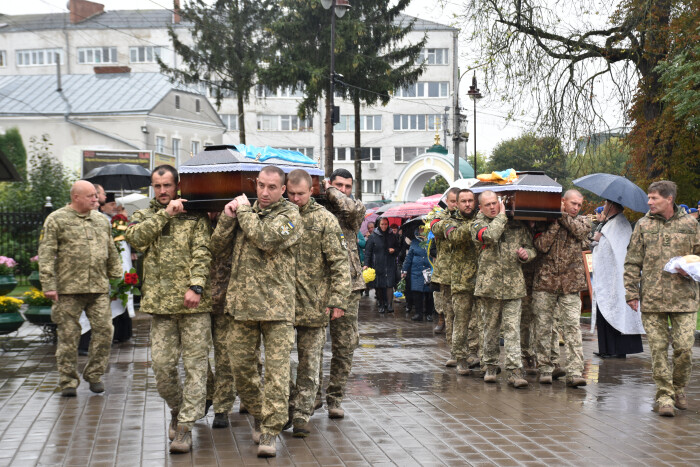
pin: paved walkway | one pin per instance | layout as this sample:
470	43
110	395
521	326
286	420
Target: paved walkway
403	408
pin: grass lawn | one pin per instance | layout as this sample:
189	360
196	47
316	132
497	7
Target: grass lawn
19	291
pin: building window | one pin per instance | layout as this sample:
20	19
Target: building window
176	148
263	92
371	186
194	147
367	123
284	123
197	106
435	56
38	57
3	59
144	54
177	102
366	154
407	153
308	152
404	122
96	55
231	121
160	144
216	89
425	89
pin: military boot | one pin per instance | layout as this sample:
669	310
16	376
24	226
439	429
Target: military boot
463	367
172	428
97	387
575	381
473	361
267	446
546	378
530	365
182	442
666	409
491	375
69	392
558	372
301	428
318	403
335	411
680	401
220	420
515	379
440	326
451	362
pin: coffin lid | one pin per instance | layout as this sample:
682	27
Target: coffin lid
531	180
247	158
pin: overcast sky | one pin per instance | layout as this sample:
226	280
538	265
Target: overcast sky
491	125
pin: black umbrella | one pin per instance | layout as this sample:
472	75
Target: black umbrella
615	188
120	176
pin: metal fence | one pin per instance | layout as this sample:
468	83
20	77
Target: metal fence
19	239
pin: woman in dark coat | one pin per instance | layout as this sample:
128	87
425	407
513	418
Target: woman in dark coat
380	254
417	261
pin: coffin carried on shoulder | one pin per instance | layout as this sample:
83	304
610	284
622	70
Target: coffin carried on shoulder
218	174
532	196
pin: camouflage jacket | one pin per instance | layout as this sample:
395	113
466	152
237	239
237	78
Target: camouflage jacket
654	242
465	256
323	275
442	266
263	263
500	272
219	275
77	253
176	256
560	268
350	213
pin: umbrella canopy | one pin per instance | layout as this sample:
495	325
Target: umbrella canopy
407	210
133	202
120	176
431	200
615	188
382	209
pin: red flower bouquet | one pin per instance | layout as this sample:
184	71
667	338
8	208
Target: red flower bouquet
120	288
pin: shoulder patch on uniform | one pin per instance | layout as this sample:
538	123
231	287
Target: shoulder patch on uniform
286	228
343	242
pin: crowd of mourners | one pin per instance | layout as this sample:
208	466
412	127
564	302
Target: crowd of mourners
259	278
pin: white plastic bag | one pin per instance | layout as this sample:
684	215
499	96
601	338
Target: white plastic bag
677	262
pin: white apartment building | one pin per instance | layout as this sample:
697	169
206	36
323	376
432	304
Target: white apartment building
392	136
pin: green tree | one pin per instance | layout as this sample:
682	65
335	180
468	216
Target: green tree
530	152
435	185
11	144
371	55
228	41
47	177
610	157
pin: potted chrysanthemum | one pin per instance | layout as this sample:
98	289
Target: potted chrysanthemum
7	275
39	307
10	317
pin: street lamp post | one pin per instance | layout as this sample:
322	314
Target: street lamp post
339	7
475	95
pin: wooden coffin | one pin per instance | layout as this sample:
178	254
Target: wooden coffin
532	196
220	173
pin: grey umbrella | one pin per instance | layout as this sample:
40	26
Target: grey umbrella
615	188
120	176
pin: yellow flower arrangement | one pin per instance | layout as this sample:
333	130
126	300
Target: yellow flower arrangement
35	297
10	304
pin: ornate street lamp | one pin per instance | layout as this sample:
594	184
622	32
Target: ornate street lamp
475	95
339	7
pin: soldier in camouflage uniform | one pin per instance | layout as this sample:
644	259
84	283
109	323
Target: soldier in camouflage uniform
261	299
666	231
505	245
464	262
221	387
344	330
77	257
559	279
441	279
176	265
323	285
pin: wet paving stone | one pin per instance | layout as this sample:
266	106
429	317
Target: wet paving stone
403	407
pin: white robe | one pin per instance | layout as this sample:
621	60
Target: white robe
116	305
607	282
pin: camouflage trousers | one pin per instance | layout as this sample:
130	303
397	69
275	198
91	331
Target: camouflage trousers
682	336
527	328
303	391
187	335
221	388
344	339
66	314
270	404
562	311
443	305
465	325
505	314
